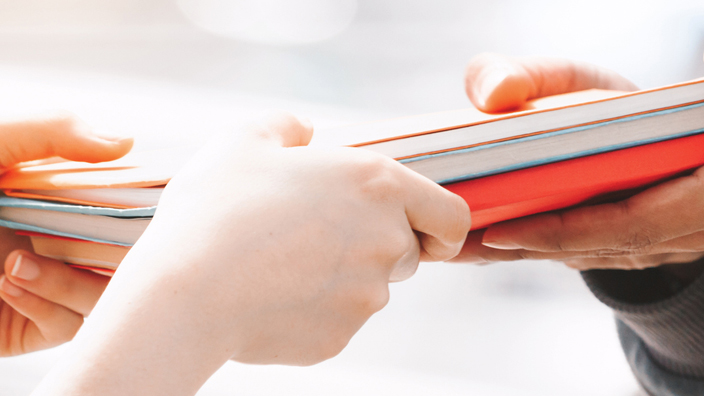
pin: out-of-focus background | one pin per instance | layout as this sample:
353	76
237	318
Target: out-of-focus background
176	71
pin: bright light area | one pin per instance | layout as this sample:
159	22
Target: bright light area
272	21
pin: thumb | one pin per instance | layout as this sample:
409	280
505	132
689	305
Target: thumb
497	83
64	136
281	129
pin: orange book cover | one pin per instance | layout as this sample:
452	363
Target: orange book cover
136	170
78	253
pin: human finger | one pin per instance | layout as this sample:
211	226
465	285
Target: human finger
279	128
632	262
667	211
407	265
474	252
441	218
62	135
497	83
49	323
54	281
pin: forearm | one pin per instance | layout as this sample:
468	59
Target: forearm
143	338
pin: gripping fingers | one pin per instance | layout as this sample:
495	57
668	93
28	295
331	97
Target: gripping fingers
54	281
62	135
440	217
50	323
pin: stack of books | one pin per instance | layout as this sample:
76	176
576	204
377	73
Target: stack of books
87	215
584	147
556	152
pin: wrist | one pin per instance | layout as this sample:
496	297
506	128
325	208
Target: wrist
130	347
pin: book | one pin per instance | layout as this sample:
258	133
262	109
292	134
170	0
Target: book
554	146
97	224
556	152
109	197
106	229
449	131
133	181
79	253
597	178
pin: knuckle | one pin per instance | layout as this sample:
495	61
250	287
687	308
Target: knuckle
377	300
331	348
610	253
371	300
375	176
401	242
638	242
638	239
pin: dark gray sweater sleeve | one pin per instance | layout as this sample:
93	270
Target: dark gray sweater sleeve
660	324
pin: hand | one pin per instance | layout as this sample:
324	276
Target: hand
43	301
264	252
664	224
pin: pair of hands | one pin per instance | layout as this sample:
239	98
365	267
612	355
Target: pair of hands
661	225
43	301
262	251
371	217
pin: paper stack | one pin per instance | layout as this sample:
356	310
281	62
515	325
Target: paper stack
87	215
558	152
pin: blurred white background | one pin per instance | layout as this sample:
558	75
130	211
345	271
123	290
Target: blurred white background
171	71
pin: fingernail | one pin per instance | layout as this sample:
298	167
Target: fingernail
7	287
25	268
490	82
111	137
503	245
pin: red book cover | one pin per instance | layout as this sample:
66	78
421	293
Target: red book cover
562	184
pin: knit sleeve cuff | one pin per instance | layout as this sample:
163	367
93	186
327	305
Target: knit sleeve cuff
668	319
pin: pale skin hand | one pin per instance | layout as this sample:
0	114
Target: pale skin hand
261	251
43	301
663	224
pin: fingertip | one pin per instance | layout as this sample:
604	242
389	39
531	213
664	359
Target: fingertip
503	91
105	149
284	128
305	123
494	239
494	83
307	133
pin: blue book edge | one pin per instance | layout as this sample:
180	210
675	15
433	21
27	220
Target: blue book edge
12	202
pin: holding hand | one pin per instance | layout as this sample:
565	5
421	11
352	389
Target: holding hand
664	224
264	252
43	301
